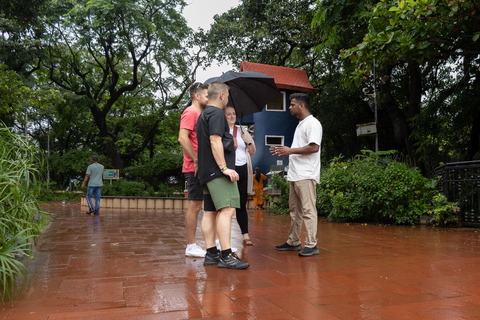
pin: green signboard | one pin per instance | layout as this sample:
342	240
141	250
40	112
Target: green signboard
111	174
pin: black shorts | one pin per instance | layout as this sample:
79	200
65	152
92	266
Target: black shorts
194	189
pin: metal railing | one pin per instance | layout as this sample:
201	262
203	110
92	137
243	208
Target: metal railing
460	183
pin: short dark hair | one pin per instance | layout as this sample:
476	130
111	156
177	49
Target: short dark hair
195	87
303	97
215	89
95	159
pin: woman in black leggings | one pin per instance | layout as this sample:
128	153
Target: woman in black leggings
245	147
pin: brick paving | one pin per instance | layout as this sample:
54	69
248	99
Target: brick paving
130	264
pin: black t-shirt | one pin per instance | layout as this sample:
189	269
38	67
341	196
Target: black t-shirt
213	121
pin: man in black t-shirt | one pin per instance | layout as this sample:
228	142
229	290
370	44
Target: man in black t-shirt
216	155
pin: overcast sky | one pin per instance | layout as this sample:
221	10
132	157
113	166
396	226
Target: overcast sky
199	14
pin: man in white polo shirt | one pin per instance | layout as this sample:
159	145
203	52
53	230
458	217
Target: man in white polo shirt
303	174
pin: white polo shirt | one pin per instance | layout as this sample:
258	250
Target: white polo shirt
306	166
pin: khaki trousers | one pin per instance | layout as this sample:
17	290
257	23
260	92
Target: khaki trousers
302	202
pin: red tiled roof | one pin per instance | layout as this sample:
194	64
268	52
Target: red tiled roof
285	78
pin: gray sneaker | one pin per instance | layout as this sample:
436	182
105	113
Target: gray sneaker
232	261
287	247
211	259
307	252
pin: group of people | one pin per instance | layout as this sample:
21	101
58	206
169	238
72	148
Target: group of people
207	141
218	174
217	169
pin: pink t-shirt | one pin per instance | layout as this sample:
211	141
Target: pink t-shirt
189	121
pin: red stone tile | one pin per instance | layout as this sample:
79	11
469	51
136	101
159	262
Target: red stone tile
143	297
177	298
218	304
118	313
438	304
351	284
130	264
396	313
77	290
43	309
104	290
269	291
261	307
351	311
452	313
301	309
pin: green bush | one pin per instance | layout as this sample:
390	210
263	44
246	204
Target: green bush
280	205
166	191
373	187
21	219
443	213
123	187
50	193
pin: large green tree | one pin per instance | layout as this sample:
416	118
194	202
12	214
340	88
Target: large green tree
21	30
273	32
430	47
281	33
125	62
425	54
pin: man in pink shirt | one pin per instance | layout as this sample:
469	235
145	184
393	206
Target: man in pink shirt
187	137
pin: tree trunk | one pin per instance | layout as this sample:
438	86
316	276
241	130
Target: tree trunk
100	118
474	144
403	118
414	101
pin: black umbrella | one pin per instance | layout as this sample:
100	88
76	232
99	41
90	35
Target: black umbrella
249	90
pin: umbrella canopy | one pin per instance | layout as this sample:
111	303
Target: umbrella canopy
249	91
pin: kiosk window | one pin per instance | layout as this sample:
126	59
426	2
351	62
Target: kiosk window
277	103
274	140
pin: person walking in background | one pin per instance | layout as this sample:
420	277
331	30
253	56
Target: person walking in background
245	147
216	160
187	137
94	176
258	179
303	174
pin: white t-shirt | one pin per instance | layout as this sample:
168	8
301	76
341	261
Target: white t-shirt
306	166
240	153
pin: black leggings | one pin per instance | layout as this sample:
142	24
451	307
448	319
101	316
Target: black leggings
242	216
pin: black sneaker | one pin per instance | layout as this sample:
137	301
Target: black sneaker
307	252
232	261
287	247
211	259
89	212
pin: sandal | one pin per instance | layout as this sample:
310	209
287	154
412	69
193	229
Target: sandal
247	242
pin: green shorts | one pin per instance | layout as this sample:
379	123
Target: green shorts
220	193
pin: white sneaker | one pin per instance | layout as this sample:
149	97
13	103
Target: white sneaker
219	248
193	250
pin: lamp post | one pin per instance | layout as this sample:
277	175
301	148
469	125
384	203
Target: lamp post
375	104
371	127
48	156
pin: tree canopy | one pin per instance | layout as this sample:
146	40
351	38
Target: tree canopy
425	54
107	77
124	61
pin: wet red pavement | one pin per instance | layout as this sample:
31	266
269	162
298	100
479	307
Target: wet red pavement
130	264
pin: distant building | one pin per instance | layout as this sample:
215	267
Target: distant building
274	125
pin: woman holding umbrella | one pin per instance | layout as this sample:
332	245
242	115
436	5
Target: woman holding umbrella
244	148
